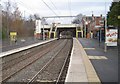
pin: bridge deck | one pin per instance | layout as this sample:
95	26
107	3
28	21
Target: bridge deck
62	26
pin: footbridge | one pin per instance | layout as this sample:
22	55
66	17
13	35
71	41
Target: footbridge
54	30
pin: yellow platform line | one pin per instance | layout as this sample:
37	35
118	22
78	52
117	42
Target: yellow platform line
91	73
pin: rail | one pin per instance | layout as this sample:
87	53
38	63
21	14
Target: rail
32	79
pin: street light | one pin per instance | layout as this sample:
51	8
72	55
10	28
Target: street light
105	46
100	36
43	22
86	23
119	17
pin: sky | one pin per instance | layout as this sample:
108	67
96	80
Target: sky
62	8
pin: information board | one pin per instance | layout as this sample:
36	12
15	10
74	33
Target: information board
111	37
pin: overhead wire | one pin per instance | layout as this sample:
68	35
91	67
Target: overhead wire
49	7
29	8
26	6
54	7
22	5
69	9
19	4
53	4
69	6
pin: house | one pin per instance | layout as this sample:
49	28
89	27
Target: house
93	24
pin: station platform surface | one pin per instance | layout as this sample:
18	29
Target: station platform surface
80	68
6	45
104	63
24	47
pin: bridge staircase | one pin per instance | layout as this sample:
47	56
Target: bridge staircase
53	30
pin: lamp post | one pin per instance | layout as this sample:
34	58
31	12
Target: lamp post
118	43
86	23
42	21
105	49
99	36
105	46
100	31
119	17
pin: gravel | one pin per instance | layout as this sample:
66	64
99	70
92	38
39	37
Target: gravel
28	72
33	56
50	74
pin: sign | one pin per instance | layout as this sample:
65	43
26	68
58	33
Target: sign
13	33
13	36
111	37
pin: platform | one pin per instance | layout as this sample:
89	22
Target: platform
24	48
80	68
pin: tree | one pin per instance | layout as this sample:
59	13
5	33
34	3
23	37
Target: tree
112	16
29	26
12	21
11	18
8	9
78	19
36	16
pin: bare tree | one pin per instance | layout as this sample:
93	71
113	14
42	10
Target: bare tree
8	8
78	19
36	16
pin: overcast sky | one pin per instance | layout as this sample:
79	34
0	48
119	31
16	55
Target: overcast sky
63	7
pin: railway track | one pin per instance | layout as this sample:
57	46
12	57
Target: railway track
46	57
16	62
11	60
59	59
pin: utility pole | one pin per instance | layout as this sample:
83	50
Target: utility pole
118	42
42	20
85	30
43	33
0	22
85	23
105	46
1	38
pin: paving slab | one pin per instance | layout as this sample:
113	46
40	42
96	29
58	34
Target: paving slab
104	63
80	68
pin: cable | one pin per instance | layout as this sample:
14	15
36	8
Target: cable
54	5
69	7
55	8
22	4
49	8
26	6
